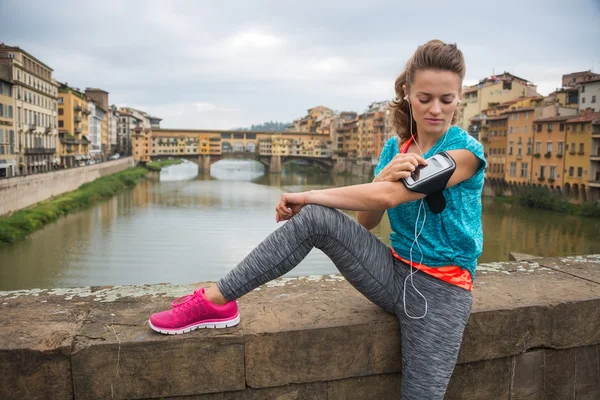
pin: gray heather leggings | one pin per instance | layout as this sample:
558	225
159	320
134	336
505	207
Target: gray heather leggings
429	345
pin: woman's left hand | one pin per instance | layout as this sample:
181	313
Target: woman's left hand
289	205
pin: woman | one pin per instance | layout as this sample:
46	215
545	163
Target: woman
433	309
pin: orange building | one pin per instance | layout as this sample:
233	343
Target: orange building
496	146
548	153
519	139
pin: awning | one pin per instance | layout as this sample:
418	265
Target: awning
77	158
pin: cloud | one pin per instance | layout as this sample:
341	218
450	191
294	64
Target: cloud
210	64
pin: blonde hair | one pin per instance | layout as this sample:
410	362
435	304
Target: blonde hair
434	54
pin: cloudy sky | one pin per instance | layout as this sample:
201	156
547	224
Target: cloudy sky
225	64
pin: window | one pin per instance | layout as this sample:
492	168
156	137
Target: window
510	149
571	169
580	148
579	172
552	172
549	147
517	128
582	88
61	111
593	99
529	148
525	129
572	148
513	169
527	115
510	130
539	129
542	171
583	100
519	149
538	147
61	124
560	149
524	170
561	126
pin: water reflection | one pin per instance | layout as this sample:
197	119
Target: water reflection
180	226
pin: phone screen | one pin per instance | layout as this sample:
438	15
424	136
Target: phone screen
423	171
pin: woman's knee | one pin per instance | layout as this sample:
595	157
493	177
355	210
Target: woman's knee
317	217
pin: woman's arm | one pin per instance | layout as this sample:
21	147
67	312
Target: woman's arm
401	166
372	196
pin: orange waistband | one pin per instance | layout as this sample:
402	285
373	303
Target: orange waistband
451	274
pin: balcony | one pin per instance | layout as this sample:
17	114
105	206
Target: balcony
77	108
595	157
78	130
78	118
39	150
596	181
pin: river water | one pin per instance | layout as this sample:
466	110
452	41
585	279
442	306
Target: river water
181	227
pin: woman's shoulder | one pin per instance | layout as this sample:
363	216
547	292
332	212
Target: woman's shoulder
460	139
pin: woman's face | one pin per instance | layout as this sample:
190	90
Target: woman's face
433	97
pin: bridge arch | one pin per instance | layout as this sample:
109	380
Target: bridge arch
226	147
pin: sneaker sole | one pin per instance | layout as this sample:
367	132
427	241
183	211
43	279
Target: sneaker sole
209	325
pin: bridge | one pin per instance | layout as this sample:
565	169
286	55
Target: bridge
273	163
206	147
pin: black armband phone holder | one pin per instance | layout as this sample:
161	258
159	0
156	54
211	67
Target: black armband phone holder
431	180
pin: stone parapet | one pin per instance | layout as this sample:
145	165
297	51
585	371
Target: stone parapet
534	333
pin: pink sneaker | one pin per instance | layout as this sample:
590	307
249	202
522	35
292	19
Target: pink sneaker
194	311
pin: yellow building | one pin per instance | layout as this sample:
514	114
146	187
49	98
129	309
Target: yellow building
490	92
577	172
519	139
34	93
549	150
495	146
73	126
8	150
594	182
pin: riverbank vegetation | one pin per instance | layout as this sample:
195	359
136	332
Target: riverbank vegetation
18	225
156	166
542	198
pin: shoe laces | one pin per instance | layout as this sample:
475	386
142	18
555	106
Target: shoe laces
183	303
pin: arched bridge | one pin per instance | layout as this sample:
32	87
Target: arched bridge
274	163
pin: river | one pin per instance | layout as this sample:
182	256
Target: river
181	227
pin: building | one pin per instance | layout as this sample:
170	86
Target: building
34	112
495	146
130	119
574	78
311	121
113	127
589	94
566	97
489	92
8	155
98	131
154	122
580	161
549	151
594	175
73	126
100	98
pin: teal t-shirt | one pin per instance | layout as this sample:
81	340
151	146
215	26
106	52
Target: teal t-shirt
454	236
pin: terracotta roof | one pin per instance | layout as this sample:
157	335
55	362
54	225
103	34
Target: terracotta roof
471	90
597	79
520	109
555	118
585	118
497	118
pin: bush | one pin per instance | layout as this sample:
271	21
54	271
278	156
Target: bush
23	222
156	166
541	197
590	209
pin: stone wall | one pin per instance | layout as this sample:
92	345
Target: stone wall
354	168
534	333
24	191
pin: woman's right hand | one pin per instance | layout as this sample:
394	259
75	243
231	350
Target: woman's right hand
401	166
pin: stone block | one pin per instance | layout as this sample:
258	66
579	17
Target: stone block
528	376
295	334
489	380
313	391
116	355
380	387
573	373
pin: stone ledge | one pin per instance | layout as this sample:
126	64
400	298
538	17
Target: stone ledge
534	331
